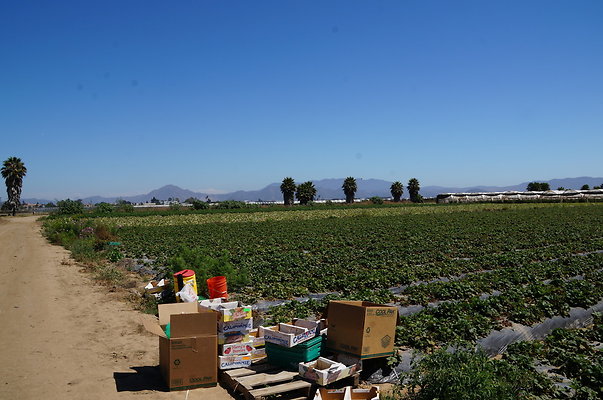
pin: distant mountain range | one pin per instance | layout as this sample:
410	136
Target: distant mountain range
326	189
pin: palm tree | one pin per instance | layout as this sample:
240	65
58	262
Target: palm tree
349	189
396	190
305	192
288	188
13	171
413	190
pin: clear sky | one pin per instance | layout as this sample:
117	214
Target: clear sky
122	97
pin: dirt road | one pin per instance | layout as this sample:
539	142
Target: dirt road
62	336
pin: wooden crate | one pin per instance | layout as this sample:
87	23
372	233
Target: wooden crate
262	380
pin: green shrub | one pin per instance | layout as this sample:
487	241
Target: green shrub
84	250
469	375
206	267
109	273
200	205
376	200
69	206
104	208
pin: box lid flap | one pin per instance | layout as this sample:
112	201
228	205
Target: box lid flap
193	324
167	310
153	327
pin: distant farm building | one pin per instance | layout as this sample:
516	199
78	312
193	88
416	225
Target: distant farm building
499	197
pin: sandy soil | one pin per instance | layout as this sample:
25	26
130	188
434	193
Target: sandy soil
63	336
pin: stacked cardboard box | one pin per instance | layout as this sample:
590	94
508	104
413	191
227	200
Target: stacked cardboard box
188	357
235	323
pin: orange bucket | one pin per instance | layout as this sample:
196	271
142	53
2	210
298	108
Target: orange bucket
217	287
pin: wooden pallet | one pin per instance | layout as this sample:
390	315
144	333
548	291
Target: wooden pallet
262	380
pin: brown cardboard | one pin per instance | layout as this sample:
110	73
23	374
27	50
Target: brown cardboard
189	358
361	328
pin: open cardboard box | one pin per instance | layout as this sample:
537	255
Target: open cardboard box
189	358
347	393
289	335
227	310
324	371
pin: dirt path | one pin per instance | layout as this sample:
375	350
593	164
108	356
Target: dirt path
62	336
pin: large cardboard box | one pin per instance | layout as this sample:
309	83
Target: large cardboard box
189	358
361	328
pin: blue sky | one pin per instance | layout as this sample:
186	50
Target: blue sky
122	97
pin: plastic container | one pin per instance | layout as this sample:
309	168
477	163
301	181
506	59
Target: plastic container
217	287
183	277
290	357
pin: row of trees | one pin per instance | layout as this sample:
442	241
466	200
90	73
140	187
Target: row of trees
306	191
544	186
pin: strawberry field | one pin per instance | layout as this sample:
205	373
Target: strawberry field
457	272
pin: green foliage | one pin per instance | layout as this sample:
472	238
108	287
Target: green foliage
288	188
468	375
376	200
231	204
413	190
206	267
69	207
305	192
104	208
175	207
396	189
349	189
124	206
199	205
538	187
13	170
585	187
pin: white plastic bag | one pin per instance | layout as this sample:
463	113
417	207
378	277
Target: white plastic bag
187	294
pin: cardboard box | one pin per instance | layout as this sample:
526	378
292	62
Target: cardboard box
227	310
233	337
361	328
240	325
257	339
189	358
240	361
347	393
324	371
258	354
289	335
234	349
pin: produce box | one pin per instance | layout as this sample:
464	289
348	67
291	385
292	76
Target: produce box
233	337
289	335
231	362
227	310
239	325
290	357
362	328
258	354
235	349
257	339
324	371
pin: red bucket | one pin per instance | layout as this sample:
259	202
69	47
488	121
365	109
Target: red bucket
217	287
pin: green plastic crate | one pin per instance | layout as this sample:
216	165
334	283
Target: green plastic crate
290	357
